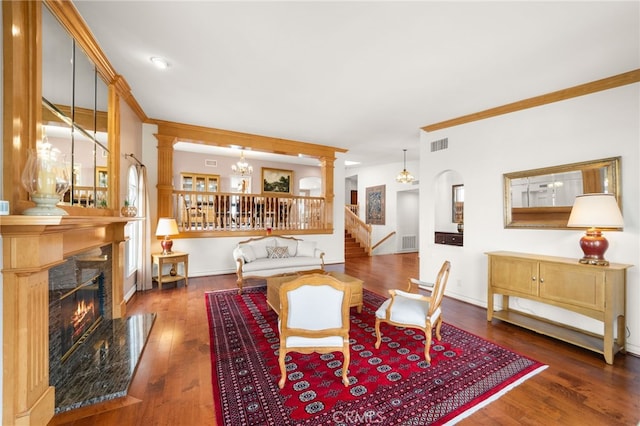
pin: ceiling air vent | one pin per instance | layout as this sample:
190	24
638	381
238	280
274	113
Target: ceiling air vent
439	145
211	163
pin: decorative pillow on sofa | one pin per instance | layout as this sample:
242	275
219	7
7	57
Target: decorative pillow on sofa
306	248
292	245
278	252
247	253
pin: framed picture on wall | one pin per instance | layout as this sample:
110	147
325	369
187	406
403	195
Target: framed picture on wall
375	205
277	181
102	177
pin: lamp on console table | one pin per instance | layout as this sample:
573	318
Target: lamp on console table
166	227
595	211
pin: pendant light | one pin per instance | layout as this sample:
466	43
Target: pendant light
242	168
404	176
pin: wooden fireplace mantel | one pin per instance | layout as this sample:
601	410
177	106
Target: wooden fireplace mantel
31	246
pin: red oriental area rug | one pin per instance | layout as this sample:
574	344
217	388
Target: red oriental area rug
390	385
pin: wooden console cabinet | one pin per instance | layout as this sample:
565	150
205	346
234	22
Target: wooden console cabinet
594	291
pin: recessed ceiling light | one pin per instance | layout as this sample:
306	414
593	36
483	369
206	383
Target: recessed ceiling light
350	163
159	62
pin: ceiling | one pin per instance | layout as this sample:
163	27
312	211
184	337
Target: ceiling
364	76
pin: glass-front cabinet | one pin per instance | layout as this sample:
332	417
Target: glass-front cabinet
200	182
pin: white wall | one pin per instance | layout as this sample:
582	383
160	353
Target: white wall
600	125
384	174
130	143
408	212
213	256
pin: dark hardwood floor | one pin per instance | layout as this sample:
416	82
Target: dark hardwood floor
172	385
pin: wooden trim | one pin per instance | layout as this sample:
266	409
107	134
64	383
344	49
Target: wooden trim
124	90
83	116
165	175
229	138
113	161
22	82
560	95
72	21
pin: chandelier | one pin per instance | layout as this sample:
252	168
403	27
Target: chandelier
242	168
404	176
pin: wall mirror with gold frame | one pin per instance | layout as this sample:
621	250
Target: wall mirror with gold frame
542	198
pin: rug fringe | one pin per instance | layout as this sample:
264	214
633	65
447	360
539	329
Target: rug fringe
495	396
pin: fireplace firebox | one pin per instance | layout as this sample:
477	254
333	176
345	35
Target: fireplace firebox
81	310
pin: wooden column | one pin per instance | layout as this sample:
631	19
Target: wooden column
326	170
165	176
27	397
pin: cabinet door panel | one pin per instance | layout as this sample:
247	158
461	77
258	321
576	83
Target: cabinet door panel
515	275
579	286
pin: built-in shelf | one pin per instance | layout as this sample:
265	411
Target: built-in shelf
449	238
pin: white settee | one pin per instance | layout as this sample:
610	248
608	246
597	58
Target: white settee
275	255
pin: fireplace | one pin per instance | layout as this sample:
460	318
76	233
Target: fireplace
33	247
92	356
81	310
79	301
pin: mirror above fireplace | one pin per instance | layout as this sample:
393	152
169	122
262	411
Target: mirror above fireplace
542	198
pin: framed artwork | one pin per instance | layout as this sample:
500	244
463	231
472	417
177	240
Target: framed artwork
375	205
457	203
277	181
101	177
241	184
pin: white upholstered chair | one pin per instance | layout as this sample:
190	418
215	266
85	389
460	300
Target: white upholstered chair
314	317
411	310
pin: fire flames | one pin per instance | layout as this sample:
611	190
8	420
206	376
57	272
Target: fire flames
78	317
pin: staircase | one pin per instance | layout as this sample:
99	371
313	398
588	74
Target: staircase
351	247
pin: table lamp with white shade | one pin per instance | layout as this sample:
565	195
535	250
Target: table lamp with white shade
594	212
166	227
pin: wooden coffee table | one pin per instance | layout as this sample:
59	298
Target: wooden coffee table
274	283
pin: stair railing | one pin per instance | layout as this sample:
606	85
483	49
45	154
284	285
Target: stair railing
358	229
391	234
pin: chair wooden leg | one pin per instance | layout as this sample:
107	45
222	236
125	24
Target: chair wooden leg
345	367
283	370
427	343
438	325
378	335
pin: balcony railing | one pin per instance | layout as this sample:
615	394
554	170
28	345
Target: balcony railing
206	212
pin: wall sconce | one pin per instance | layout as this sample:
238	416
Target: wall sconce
595	211
166	227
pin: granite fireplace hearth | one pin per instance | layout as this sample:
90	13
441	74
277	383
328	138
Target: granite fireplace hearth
92	357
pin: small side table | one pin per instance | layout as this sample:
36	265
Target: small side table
174	258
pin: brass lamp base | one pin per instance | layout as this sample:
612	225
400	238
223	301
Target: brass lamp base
597	262
593	246
166	245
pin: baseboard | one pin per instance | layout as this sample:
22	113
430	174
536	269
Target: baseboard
128	295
